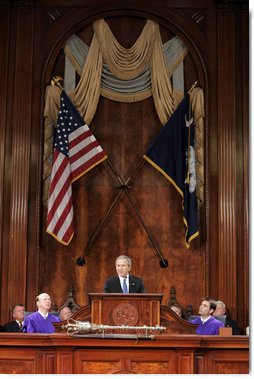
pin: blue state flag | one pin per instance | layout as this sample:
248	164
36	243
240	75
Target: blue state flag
172	153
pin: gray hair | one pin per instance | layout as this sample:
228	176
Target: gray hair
125	258
220	302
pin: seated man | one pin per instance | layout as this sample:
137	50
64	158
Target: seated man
41	321
221	311
207	324
65	313
177	309
123	282
18	315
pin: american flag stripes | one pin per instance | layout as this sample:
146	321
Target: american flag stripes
76	151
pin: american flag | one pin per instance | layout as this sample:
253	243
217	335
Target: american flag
76	151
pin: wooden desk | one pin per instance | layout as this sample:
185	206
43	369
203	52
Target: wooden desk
59	353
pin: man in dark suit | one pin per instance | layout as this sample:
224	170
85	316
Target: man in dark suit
124	282
221	310
18	314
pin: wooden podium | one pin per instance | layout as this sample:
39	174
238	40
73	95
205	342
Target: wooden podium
134	309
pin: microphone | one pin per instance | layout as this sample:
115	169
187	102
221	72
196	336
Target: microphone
163	263
81	261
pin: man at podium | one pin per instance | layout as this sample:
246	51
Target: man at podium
123	282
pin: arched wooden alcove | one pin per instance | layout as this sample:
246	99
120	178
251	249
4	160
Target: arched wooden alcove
125	131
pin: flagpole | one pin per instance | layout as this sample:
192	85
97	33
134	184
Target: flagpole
125	187
193	86
163	262
81	260
55	81
135	170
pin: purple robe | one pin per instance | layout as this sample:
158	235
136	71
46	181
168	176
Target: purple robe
35	323
210	327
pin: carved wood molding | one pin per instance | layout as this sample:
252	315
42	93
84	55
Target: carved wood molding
23	3
20	154
55	14
198	17
227	161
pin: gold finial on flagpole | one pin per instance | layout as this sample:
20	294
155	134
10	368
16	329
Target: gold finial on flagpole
55	81
193	86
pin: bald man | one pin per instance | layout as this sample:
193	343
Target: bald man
65	313
41	321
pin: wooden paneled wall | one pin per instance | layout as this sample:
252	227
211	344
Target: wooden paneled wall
32	36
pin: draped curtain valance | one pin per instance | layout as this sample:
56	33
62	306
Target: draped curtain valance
148	68
124	64
128	90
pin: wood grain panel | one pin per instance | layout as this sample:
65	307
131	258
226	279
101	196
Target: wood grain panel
185	361
64	360
103	362
227	160
200	363
21	361
19	160
226	362
243	199
4	151
48	358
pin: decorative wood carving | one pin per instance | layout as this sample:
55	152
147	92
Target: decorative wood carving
125	309
125	314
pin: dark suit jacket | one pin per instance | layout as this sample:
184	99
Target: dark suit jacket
11	327
135	285
235	328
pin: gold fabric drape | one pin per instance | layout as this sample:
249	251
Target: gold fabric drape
119	89
87	93
51	110
124	64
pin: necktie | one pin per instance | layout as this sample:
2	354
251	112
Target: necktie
125	289
20	326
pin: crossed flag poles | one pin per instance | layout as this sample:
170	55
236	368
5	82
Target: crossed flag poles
76	151
123	187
